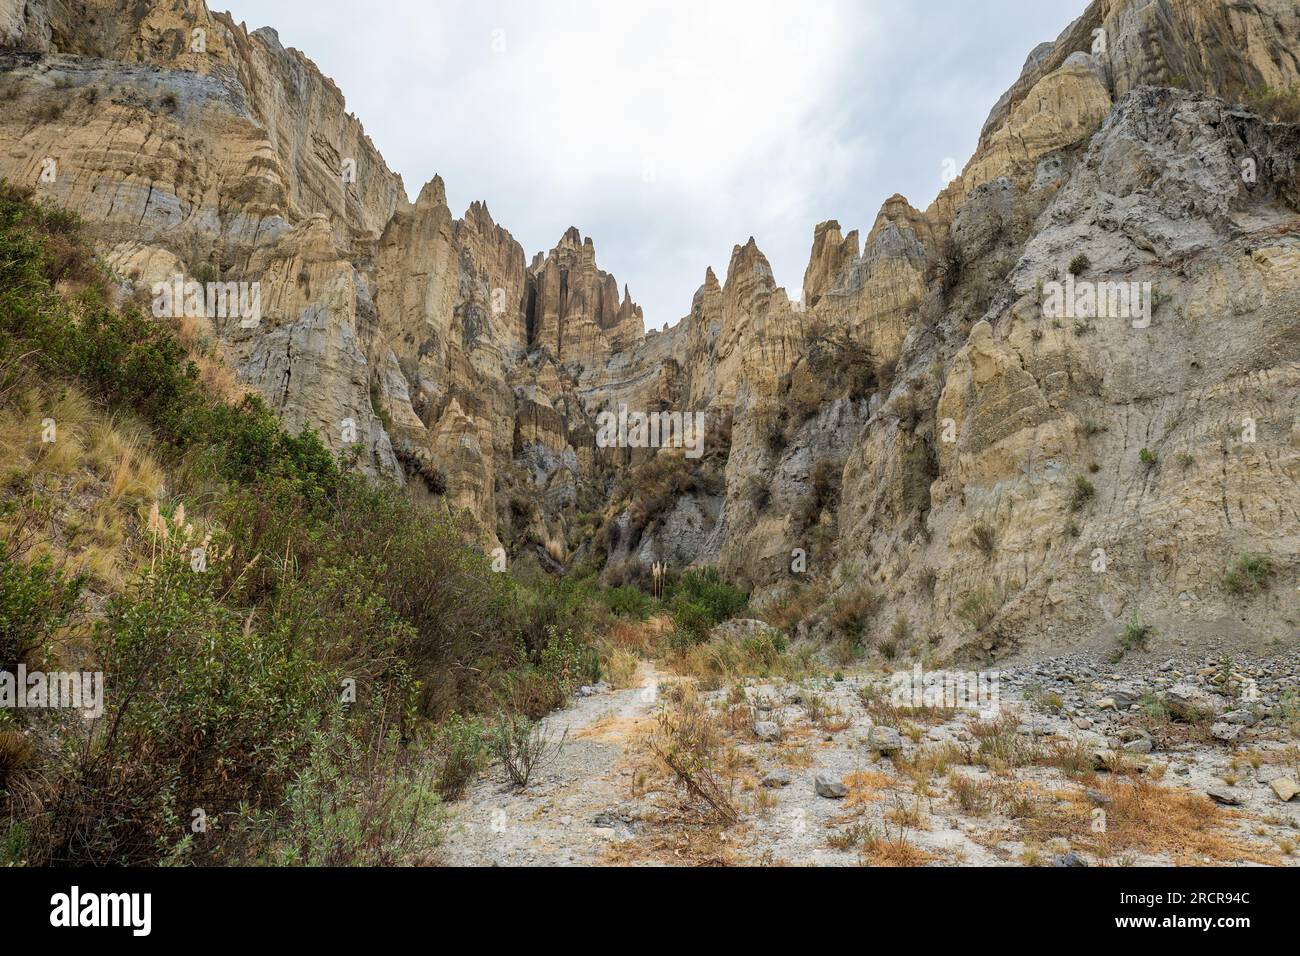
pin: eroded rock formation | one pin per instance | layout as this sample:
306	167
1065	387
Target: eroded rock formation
914	422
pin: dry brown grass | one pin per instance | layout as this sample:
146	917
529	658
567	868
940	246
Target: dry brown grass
892	848
875	700
867	786
688	741
216	377
1141	817
97	469
620	667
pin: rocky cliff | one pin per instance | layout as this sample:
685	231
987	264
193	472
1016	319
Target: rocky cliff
919	434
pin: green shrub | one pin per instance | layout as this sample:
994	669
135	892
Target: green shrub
627	602
131	361
460	749
278	695
1281	105
691	623
706	587
333	816
1084	491
1136	637
36	600
524	747
979	607
1251	572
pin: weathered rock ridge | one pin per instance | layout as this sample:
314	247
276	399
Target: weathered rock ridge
911	432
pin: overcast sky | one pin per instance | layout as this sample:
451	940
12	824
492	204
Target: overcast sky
670	131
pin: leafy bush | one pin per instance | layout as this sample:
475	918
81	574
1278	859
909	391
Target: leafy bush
1250	573
691	623
36	600
130	361
278	694
460	748
627	602
706	587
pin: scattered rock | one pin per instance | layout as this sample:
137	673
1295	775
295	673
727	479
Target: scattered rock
830	787
776	779
1069	859
884	739
1103	759
1228	733
1224	795
1285	788
767	730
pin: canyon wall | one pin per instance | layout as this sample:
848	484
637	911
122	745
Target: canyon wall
915	430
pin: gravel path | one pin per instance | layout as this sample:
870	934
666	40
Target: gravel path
576	804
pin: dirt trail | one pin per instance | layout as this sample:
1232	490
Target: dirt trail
574	807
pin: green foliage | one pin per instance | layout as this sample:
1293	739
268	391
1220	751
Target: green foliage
388	816
691	623
460	750
1084	491
979	607
701	600
129	360
627	602
524	747
707	588
282	691
1250	572
1136	637
36	600
1281	105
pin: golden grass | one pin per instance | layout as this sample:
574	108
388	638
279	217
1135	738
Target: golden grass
214	375
620	667
1141	817
95	469
867	786
893	850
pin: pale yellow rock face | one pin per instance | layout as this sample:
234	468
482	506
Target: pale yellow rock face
1063	107
451	359
578	314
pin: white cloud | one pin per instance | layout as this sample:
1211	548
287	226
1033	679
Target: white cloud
756	117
